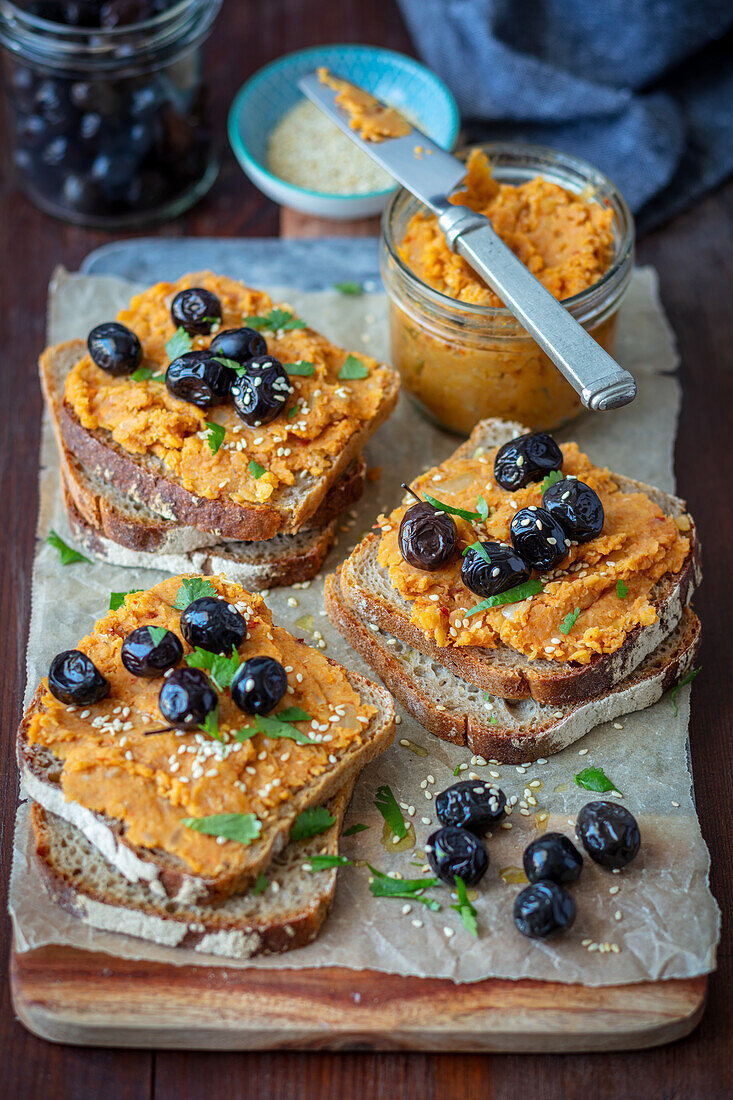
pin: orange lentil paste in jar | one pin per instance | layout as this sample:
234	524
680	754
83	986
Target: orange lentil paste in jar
375	121
565	240
143	417
638	546
152	783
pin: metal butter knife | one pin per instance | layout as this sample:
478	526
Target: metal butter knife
600	381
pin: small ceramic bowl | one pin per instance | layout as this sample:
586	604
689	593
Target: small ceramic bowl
264	99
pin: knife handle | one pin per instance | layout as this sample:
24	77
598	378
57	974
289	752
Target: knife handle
600	381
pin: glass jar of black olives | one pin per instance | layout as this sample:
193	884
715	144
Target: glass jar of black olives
106	105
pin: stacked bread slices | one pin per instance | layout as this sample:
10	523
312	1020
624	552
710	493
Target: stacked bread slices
497	701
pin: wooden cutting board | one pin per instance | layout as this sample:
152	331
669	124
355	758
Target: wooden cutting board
85	998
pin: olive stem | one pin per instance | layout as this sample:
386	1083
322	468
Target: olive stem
412	493
166	729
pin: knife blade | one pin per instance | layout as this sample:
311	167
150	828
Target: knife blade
432	174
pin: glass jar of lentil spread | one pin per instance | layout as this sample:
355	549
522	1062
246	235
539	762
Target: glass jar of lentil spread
106	106
463	360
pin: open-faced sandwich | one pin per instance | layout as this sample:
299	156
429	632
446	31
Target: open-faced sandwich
190	764
208	430
520	595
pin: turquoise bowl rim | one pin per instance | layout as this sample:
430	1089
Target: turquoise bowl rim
245	158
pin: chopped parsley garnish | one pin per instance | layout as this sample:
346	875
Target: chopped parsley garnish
179	343
260	884
294	714
275	321
238	368
243	828
221	669
569	621
478	547
683	683
157	634
302	367
386	803
256	470
354	829
464	908
210	724
552	477
214	435
293	412
621	590
145	374
482	508
323	863
68	554
493	721
352	368
117	599
411	889
348	287
512	595
594	779
472	517
192	588
273	726
457	769
312	822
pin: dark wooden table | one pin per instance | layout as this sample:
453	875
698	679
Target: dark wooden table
694	256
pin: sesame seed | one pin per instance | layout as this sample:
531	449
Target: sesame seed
416	923
582	752
448	932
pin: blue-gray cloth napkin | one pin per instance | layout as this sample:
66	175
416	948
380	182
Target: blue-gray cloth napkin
641	88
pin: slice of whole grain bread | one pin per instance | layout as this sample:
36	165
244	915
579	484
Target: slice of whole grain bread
502	729
143	479
367	590
287	913
41	776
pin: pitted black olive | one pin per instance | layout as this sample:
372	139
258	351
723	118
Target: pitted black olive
74	679
609	833
259	684
142	655
576	507
197	377
526	458
260	393
115	348
544	909
186	698
552	857
538	538
238	344
195	310
472	804
213	624
454	851
503	570
427	536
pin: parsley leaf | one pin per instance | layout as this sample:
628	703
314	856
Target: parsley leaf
256	470
470	516
68	554
552	477
464	907
117	599
386	803
411	889
493	721
192	588
275	321
214	435
457	769
238	368
294	714
682	683
157	634
302	367
482	509
312	822
260	884
275	727
293	412
353	368
569	621
478	547
243	828
210	724
353	829
221	669
322	863
594	779
621	590
144	374
512	595
179	343
348	287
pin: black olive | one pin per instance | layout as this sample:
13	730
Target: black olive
504	570
552	858
115	348
526	458
259	684
195	310
260	393
186	698
213	624
538	538
609	833
75	679
473	805
238	344
143	656
576	507
198	378
454	851
427	536
543	909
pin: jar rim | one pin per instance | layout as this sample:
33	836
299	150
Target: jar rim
543	156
